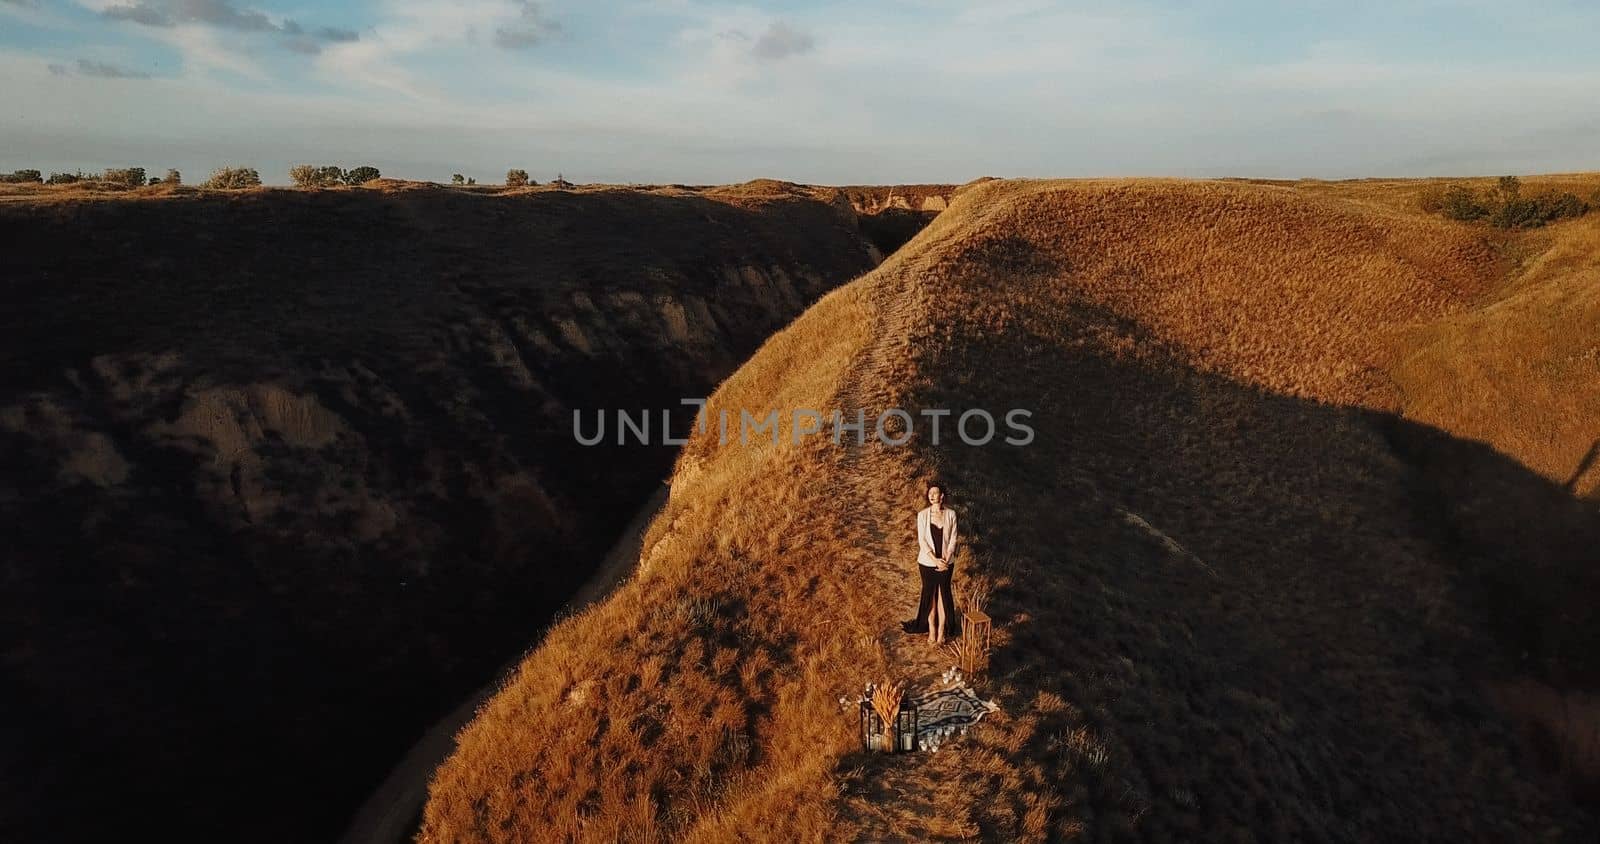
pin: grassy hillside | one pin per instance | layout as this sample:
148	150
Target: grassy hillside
1268	572
285	474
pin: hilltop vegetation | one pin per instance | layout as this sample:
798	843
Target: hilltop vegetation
1504	205
1306	517
331	175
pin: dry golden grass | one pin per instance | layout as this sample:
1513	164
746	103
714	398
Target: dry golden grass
1403	195
1299	296
1517	372
726	668
34	192
1236	596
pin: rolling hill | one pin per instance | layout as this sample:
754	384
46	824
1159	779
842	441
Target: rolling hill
1303	548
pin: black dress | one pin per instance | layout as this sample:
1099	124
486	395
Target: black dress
935	584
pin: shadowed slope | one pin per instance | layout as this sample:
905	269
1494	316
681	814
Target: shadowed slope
286	474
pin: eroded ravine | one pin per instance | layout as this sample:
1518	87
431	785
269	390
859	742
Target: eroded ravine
285	490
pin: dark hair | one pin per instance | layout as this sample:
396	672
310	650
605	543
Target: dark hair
932	485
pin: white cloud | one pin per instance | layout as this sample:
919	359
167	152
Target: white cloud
32	12
410	29
107	70
532	28
781	41
205	50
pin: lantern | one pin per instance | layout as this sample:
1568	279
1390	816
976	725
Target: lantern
905	730
872	734
901	737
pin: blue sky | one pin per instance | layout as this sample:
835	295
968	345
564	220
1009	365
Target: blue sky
874	91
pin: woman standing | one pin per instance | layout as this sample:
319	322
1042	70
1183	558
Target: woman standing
936	544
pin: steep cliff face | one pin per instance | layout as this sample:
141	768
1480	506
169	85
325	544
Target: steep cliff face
872	199
284	474
891	215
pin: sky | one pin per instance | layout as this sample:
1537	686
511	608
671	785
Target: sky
861	92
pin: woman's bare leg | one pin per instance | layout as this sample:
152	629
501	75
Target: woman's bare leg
938	612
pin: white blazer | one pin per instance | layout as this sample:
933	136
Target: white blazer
925	536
